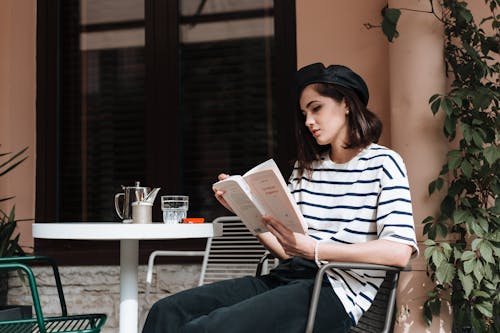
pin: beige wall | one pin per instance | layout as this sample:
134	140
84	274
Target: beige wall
17	104
332	32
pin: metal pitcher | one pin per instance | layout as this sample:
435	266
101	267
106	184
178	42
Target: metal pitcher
130	194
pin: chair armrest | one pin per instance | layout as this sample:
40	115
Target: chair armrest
159	253
267	256
356	265
6	265
342	265
25	268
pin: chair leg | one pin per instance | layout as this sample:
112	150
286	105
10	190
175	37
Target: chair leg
314	298
391	303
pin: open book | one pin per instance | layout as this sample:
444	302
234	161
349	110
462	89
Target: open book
262	191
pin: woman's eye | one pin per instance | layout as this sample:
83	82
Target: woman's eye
316	108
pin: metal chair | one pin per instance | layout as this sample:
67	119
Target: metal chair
236	253
89	323
380	316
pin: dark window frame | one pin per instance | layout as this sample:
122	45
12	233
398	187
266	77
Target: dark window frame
162	89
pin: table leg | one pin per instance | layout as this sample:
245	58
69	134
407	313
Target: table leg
129	308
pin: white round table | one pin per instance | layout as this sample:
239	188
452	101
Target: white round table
129	236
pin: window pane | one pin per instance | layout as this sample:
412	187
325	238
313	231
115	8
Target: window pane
190	7
102	130
226	95
225	57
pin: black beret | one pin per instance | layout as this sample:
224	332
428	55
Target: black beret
335	74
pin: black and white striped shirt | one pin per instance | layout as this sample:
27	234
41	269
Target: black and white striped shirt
364	199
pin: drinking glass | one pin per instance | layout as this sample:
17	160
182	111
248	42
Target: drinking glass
174	208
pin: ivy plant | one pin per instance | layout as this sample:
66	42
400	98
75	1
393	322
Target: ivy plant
462	245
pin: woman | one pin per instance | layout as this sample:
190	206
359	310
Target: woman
355	198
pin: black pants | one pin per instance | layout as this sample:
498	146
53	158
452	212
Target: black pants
277	302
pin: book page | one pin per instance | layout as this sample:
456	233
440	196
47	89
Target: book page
240	199
269	188
267	165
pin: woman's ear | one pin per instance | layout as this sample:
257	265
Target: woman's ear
344	104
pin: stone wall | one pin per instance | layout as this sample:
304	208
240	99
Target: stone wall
96	289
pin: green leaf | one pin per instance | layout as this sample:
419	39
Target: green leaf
477	324
427	313
476	228
475	243
432	187
432	307
460	216
478	270
471	52
467	282
486	251
469	266
450	124
466	168
457	253
457	100
434	98
467	255
441	229
447	206
428	227
435	106
454	159
445	272
446	106
438	257
483	223
477	122
389	22
480	294
477	139
428	252
428	219
496	208
429	242
488	275
465	14
447	250
439	183
12	166
486	308
492	154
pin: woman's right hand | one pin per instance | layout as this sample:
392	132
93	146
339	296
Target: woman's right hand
219	194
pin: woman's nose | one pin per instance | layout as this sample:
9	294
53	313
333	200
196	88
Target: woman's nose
309	120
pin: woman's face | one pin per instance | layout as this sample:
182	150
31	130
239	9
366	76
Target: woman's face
325	118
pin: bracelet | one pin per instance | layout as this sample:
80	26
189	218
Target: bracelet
316	257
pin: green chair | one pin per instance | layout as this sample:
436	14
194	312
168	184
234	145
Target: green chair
89	323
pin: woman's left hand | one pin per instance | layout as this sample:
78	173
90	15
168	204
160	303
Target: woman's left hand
294	244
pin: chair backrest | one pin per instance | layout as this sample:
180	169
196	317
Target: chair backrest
380	316
236	253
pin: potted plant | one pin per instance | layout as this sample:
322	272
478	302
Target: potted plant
9	240
466	267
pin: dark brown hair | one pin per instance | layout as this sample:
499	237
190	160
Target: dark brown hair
364	126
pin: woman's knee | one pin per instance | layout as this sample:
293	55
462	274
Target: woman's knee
163	304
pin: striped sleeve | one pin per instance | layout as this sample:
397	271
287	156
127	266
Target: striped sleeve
394	212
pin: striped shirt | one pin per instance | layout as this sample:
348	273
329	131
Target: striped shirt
364	199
